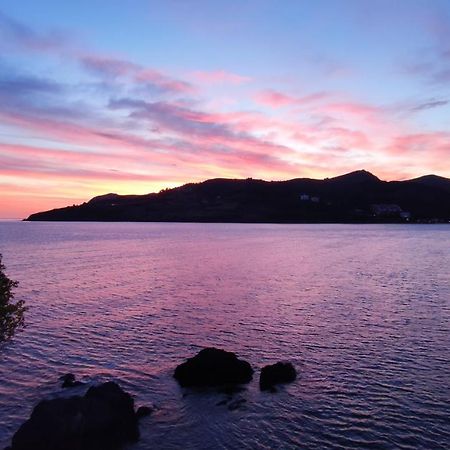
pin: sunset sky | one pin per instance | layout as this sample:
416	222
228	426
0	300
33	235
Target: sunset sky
134	96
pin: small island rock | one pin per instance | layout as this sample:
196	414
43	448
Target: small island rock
103	419
69	381
213	367
281	372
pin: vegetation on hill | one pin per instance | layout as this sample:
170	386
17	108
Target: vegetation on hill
355	197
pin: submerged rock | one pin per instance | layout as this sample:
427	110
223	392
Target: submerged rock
236	404
213	367
69	381
103	419
143	411
281	372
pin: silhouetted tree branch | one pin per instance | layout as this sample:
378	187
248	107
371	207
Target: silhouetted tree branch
11	313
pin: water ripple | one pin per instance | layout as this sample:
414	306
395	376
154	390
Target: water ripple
362	311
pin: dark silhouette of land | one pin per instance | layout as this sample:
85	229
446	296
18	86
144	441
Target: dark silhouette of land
357	197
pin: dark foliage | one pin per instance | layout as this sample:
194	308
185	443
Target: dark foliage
11	312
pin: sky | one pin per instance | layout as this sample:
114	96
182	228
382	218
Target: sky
100	96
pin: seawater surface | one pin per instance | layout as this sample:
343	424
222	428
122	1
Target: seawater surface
361	310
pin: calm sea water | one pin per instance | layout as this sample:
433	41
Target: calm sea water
363	311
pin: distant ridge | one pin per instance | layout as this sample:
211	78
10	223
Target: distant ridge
356	177
356	197
434	181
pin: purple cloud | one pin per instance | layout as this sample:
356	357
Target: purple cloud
430	105
113	68
15	34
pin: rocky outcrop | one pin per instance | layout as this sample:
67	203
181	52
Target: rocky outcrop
281	372
213	367
104	419
69	381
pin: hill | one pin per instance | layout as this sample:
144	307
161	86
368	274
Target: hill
354	197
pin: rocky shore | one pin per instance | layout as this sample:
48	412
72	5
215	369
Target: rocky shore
105	417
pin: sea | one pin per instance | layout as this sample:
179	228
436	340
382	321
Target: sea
362	311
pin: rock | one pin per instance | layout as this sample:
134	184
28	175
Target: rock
143	411
213	367
281	372
235	404
67	377
69	381
103	419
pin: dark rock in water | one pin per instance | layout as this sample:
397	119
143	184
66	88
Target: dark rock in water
67	377
104	419
69	381
213	367
235	404
143	411
281	372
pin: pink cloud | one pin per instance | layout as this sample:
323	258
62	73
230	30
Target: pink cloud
349	138
17	36
353	109
221	147
114	68
108	66
219	77
435	145
276	99
165	82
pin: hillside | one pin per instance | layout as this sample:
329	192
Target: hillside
355	197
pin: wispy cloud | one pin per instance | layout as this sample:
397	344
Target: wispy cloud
276	99
219	77
114	68
16	34
430	105
432	64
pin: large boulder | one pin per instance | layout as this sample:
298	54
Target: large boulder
213	367
281	372
103	419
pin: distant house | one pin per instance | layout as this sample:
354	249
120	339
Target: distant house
386	210
309	198
406	215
